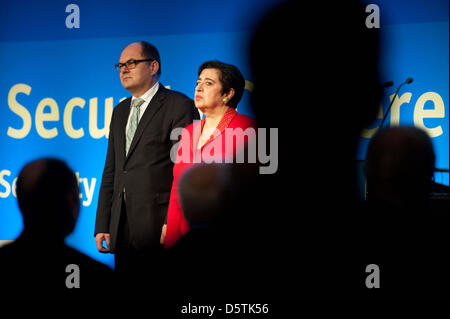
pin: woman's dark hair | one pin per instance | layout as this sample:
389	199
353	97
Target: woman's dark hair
230	77
149	51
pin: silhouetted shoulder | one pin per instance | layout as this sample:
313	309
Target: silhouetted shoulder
28	271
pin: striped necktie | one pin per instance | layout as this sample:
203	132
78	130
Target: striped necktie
134	121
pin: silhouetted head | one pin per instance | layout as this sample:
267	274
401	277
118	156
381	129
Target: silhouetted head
203	192
48	197
400	165
315	68
315	71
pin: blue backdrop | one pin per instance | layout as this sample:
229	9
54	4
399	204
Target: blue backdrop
58	84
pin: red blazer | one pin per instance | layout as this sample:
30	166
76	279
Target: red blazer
219	147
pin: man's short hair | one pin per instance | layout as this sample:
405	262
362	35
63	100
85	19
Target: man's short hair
149	51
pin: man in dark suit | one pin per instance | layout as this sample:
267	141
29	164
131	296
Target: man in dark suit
137	177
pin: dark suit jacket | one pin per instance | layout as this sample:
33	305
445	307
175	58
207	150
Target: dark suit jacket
146	172
36	268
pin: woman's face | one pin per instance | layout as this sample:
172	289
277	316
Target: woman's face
208	92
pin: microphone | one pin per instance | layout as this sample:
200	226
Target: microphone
408	81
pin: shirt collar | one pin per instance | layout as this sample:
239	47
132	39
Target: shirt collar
147	96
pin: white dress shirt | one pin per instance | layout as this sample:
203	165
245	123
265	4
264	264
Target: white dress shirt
147	97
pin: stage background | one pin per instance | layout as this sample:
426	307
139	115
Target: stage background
58	84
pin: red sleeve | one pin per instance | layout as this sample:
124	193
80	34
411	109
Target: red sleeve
243	132
177	225
173	217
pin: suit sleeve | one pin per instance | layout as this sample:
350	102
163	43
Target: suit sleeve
106	187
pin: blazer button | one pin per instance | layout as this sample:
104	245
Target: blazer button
124	172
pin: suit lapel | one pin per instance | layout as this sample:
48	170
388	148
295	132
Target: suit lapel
154	106
123	119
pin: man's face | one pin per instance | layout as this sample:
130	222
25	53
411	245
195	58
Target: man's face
138	80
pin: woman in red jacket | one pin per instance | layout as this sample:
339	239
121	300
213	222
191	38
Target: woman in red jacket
218	138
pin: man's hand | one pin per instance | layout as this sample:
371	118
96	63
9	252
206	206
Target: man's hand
163	234
99	238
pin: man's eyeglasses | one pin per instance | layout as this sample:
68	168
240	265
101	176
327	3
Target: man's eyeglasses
130	64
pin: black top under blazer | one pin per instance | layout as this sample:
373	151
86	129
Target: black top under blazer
146	173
